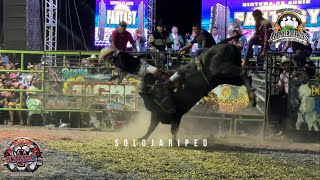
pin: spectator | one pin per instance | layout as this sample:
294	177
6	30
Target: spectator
235	39
260	37
215	34
34	104
242	39
315	39
139	40
203	38
302	52
195	46
4	58
283	84
2	65
121	37
283	88
310	69
175	39
159	39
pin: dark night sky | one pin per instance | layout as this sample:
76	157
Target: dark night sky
173	12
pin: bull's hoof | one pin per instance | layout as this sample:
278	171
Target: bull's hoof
174	143
142	138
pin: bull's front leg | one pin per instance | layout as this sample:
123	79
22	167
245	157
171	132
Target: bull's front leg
174	130
153	124
250	90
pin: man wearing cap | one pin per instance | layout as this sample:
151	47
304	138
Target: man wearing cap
283	84
159	39
120	37
283	88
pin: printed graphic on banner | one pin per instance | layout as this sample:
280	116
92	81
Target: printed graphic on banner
109	13
220	13
23	155
84	88
305	105
227	98
289	27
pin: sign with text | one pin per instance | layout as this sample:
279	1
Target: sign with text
84	88
304	105
109	13
219	13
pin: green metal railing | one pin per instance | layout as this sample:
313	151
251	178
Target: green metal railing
22	54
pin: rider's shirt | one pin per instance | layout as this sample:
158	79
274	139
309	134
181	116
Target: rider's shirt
126	62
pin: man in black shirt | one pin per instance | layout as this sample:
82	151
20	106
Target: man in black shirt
203	38
302	52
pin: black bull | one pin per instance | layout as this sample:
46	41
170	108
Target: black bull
220	64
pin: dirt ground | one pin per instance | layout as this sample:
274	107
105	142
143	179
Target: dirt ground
85	154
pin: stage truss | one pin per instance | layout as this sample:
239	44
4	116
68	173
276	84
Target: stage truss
151	16
51	28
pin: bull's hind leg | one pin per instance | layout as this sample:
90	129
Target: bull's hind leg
250	90
235	72
153	124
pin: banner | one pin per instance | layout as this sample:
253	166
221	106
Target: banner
219	13
110	13
88	89
304	105
227	99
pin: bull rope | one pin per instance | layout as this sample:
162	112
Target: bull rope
202	73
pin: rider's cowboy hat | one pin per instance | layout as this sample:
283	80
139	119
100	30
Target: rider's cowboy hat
93	56
106	51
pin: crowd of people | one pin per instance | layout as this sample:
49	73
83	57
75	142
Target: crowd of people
17	81
200	39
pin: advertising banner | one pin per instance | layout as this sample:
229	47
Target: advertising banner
220	13
304	105
86	89
109	13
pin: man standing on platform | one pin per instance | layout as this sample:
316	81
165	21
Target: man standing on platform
260	37
120	37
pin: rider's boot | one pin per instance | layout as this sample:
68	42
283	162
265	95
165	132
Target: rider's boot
161	75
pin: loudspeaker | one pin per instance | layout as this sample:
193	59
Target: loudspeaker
22	25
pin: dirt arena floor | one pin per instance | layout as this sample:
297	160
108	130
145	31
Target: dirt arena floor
85	154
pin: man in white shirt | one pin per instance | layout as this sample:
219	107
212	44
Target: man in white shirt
176	39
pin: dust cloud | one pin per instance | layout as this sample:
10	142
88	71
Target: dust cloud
215	131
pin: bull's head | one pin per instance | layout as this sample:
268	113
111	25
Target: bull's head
162	97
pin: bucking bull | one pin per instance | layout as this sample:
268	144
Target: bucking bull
170	97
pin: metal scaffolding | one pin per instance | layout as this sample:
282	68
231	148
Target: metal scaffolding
50	27
151	16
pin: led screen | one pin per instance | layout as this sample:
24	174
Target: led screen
220	13
110	13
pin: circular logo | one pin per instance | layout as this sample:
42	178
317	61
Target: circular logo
289	21
22	155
